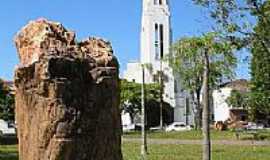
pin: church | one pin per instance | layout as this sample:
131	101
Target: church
155	42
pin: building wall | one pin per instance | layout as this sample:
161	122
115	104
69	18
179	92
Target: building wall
221	108
133	72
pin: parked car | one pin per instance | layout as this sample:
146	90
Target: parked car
7	129
128	127
157	128
178	126
253	126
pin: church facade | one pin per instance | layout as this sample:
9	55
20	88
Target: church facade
155	42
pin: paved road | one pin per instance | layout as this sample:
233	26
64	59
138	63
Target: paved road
198	142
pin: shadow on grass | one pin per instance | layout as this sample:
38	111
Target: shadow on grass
258	136
8	140
8	153
8	148
9	156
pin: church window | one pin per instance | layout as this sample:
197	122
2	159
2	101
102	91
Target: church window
159	41
156	2
160	2
161	36
156	42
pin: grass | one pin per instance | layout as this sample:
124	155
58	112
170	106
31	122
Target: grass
197	135
8	152
131	151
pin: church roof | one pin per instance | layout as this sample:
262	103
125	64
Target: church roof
239	85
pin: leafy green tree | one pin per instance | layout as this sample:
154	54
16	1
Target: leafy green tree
246	23
202	62
189	65
235	18
237	21
131	96
238	99
260	66
187	60
6	103
131	102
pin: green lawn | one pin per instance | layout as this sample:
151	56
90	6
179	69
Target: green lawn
131	151
196	135
8	152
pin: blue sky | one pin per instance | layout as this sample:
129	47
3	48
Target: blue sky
114	20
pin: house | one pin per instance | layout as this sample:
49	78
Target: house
223	111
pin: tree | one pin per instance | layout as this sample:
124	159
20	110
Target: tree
187	60
260	66
201	62
131	102
246	23
206	107
144	142
6	102
236	19
131	96
188	64
238	99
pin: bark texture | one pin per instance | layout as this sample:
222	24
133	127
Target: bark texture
67	96
206	110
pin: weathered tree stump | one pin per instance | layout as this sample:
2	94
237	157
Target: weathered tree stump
67	96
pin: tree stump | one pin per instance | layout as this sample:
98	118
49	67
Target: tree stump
67	95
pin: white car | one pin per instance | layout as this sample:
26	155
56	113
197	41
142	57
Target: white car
157	128
7	129
254	126
177	126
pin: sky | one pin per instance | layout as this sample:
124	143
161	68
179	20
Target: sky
115	20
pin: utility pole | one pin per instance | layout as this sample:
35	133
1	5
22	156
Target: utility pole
143	138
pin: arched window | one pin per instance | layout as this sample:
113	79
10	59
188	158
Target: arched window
160	2
156	2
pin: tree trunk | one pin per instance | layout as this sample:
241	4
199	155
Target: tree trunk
194	109
144	143
205	118
161	94
67	105
187	111
132	117
198	113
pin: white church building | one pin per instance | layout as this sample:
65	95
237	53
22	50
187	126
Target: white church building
155	42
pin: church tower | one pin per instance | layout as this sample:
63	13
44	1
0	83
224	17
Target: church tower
155	45
155	30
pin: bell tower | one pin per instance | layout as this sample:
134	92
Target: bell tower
155	42
155	31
